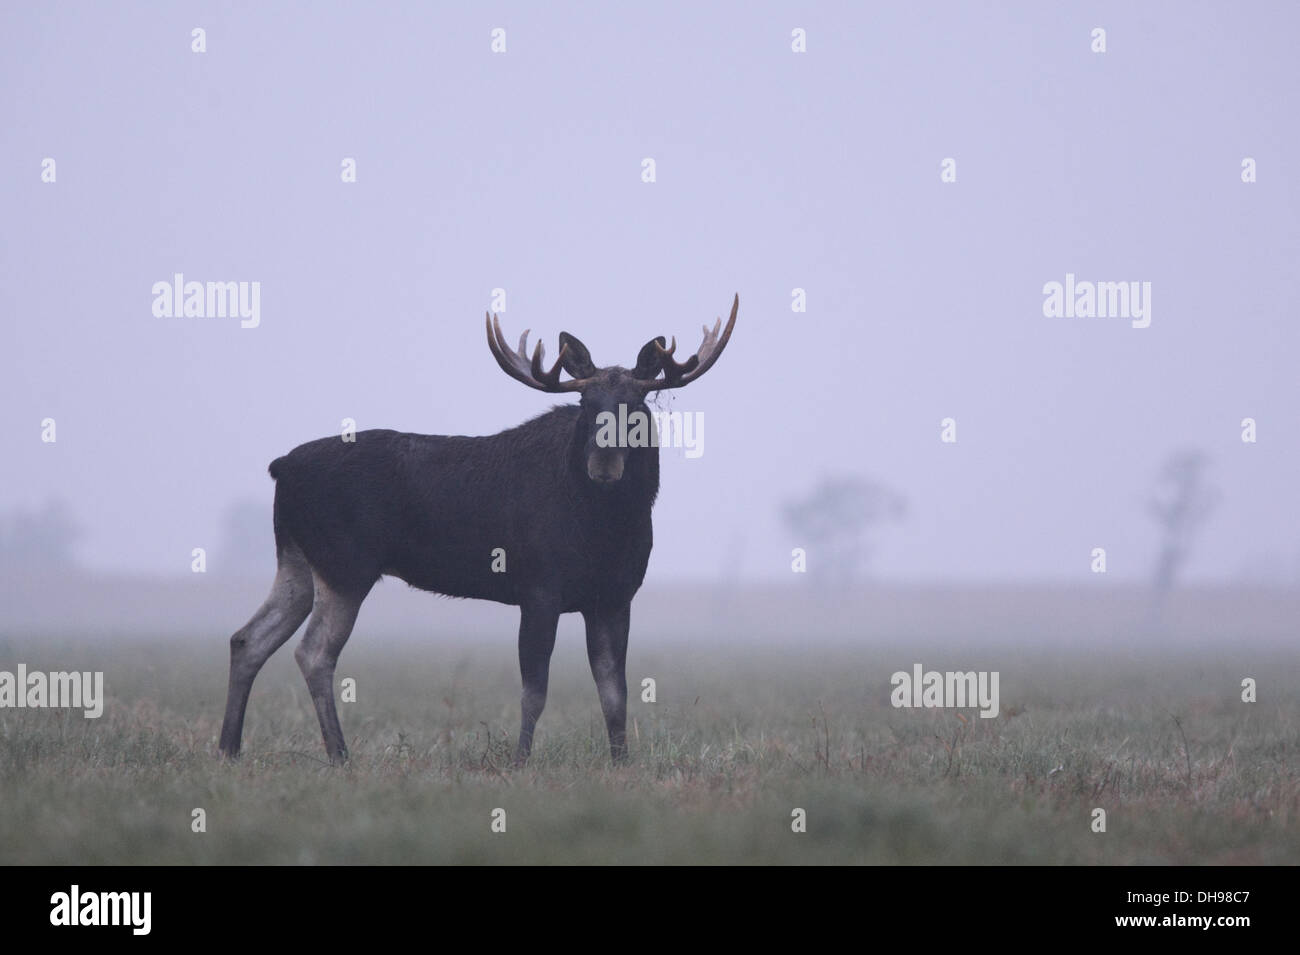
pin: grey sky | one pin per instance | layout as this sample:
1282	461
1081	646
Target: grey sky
775	170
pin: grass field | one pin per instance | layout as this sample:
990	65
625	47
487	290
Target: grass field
738	738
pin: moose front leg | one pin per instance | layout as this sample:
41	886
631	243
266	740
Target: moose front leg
607	653
537	623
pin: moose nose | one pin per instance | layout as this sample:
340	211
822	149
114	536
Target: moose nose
605	468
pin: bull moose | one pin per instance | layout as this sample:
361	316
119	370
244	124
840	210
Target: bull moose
571	512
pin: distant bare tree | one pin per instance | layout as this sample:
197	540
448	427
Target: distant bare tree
836	519
42	540
1182	501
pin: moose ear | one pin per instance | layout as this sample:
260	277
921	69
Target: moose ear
577	360
648	363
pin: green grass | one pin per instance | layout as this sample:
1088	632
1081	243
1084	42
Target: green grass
738	738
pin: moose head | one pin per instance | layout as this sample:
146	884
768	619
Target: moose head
613	391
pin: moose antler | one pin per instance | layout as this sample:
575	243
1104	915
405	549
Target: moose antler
521	368
676	375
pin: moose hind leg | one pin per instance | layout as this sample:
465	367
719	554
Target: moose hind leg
332	619
282	613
